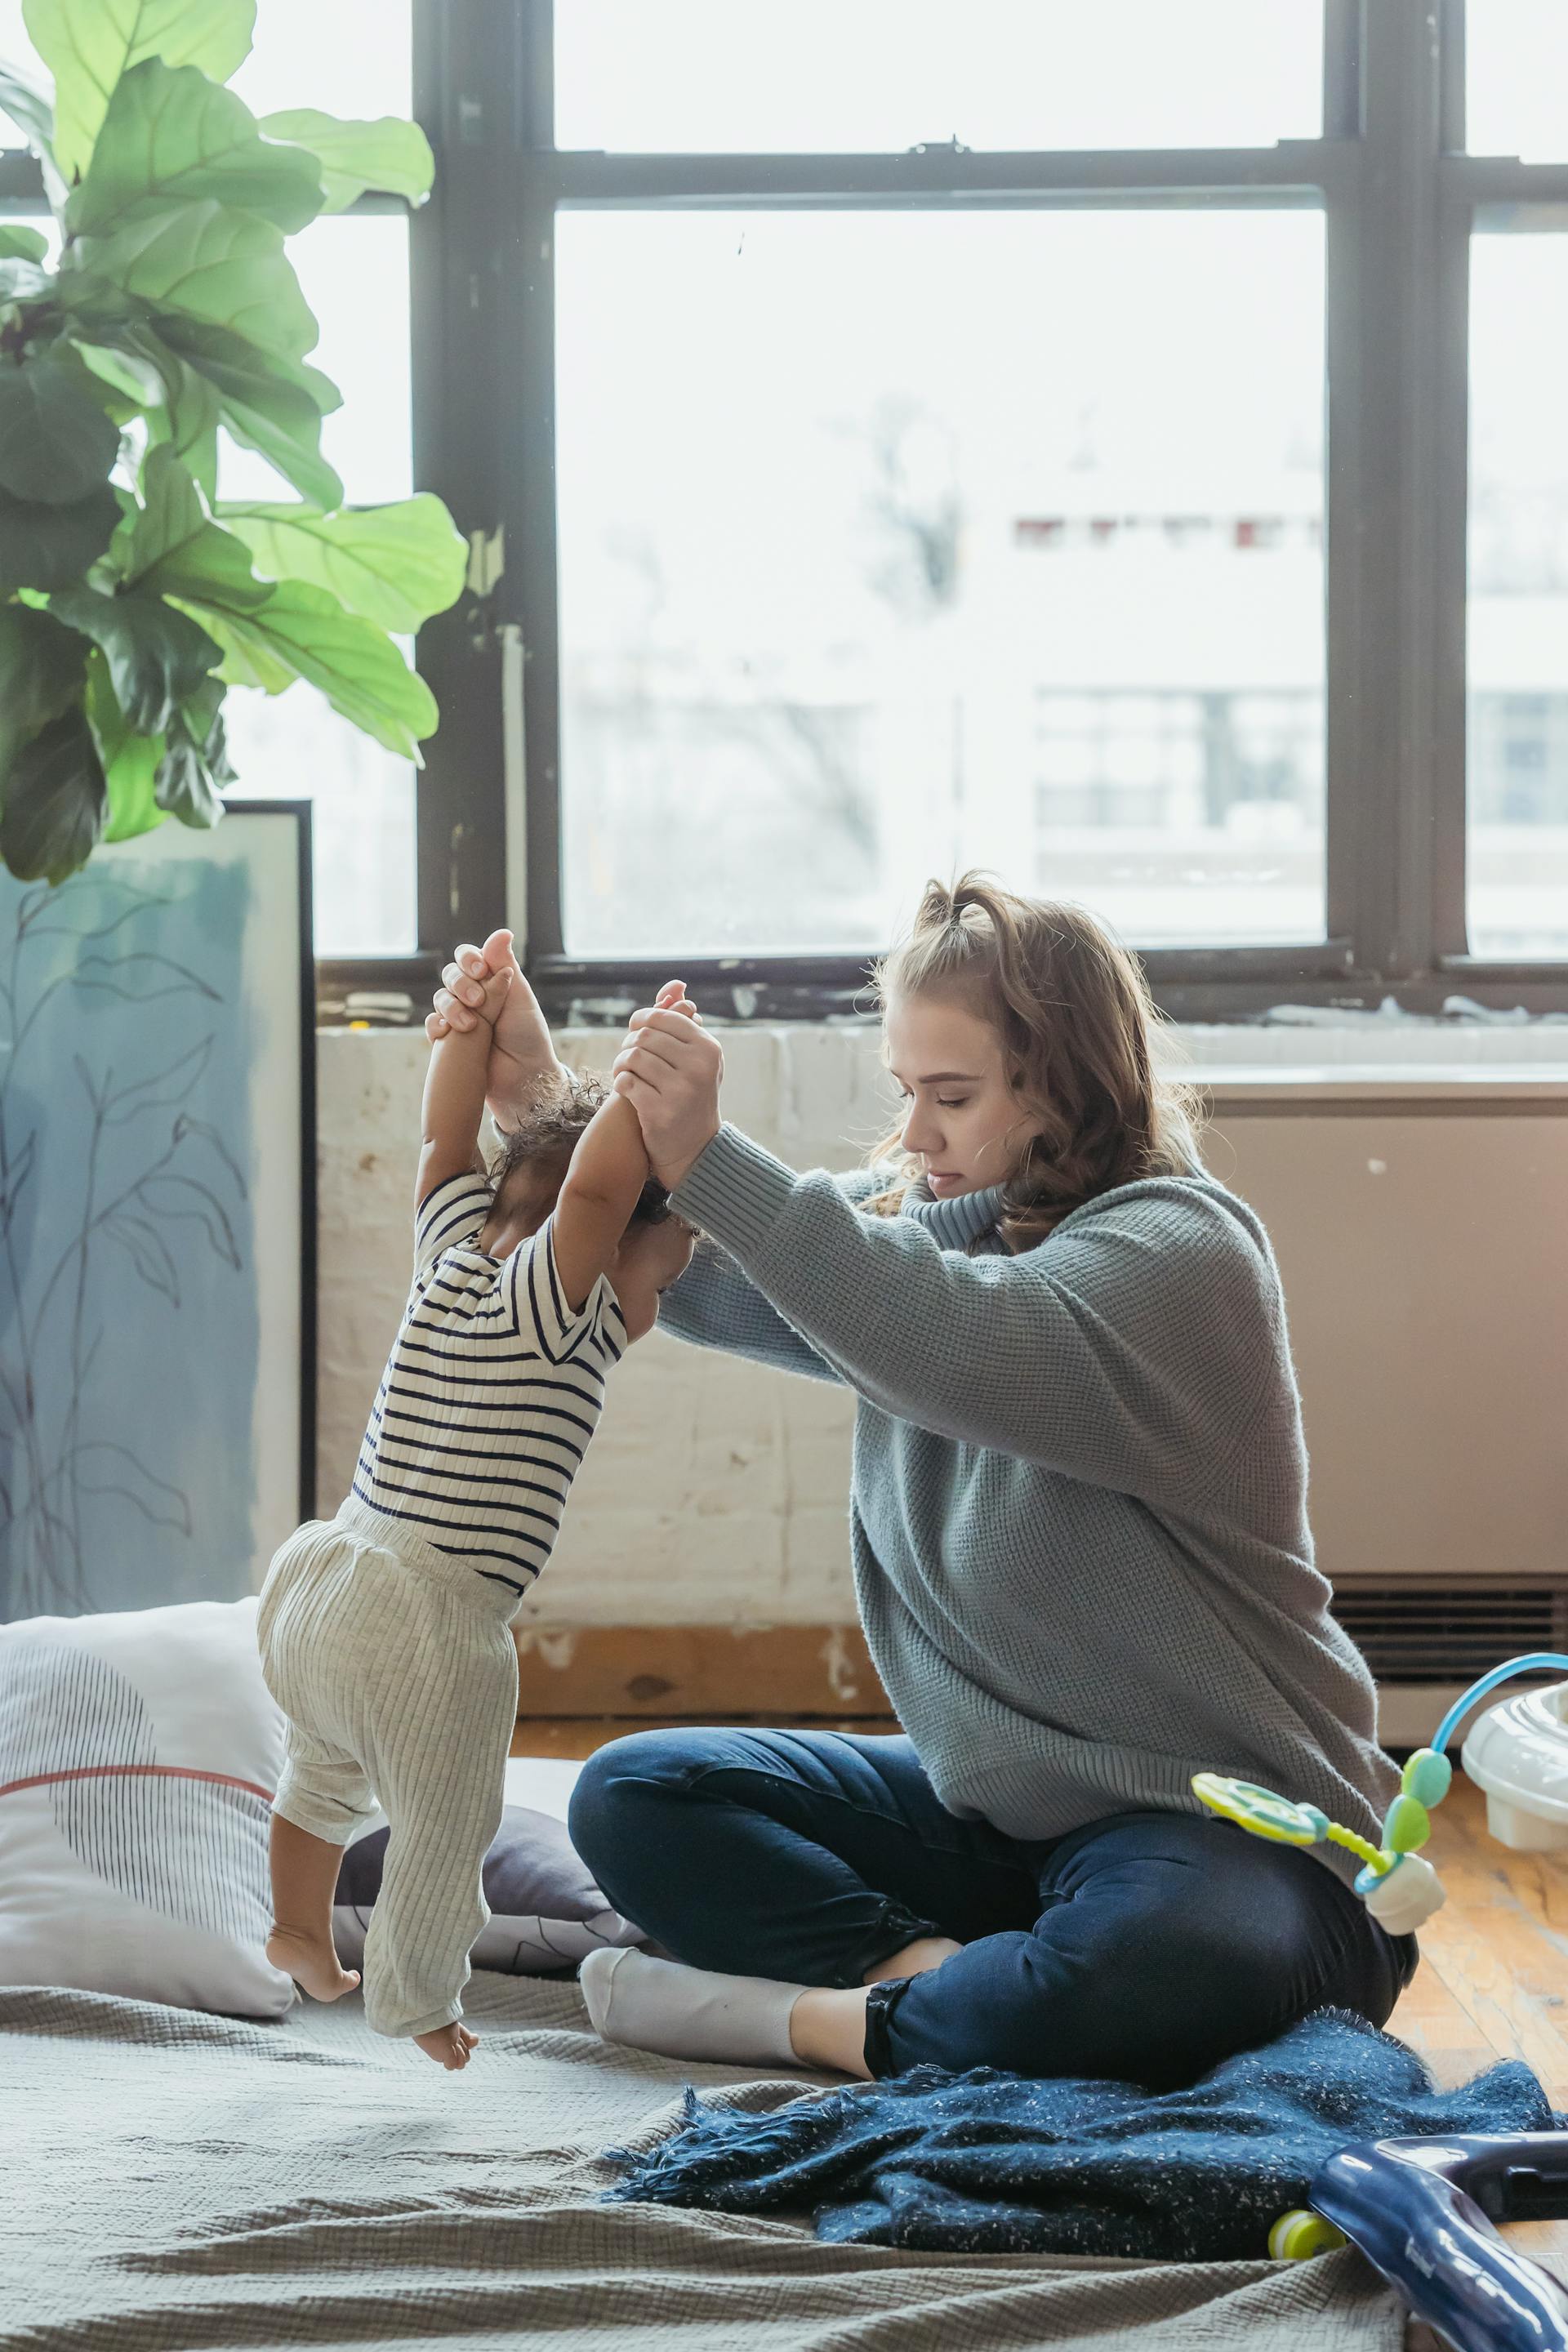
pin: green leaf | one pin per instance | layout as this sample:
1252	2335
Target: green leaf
133	806
389	155
30	109
122	391
129	761
19	244
181	407
88	44
207	262
395	564
172	548
266	404
188	421
42	665
49	546
22	281
55	443
203	717
157	655
187	786
356	666
173	137
247	659
56	802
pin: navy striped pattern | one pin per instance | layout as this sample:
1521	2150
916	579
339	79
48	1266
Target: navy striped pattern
490	1395
63	1709
191	1848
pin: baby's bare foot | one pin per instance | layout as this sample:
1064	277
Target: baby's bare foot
450	2046
313	1963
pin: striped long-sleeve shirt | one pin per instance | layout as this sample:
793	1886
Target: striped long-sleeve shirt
491	1394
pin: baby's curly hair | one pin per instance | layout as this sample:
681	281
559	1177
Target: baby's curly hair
548	1136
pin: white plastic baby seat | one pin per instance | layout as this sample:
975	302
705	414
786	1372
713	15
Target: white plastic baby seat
1517	1752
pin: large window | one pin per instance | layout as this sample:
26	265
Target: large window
899	540
1117	444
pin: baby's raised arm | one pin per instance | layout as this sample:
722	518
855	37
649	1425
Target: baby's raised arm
608	1171
609	1168
455	1096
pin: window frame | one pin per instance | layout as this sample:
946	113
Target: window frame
1399	198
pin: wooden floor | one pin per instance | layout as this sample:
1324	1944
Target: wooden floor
1493	1982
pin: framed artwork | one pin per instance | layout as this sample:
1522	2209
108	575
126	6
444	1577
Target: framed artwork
157	1217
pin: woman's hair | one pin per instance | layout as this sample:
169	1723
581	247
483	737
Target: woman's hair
544	1141
1077	1023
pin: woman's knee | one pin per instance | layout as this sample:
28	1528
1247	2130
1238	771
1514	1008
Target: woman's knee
624	1788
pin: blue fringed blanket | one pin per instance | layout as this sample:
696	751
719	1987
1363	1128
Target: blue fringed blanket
988	2163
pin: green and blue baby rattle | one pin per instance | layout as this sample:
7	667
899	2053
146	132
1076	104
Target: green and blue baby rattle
1399	1888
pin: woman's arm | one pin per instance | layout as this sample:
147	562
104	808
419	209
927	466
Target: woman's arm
714	1305
1132	1350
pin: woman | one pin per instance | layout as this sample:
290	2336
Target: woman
1082	1558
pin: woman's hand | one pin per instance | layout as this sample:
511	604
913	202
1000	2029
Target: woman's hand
521	1051
670	1069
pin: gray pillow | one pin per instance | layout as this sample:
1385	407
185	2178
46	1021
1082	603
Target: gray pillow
546	1914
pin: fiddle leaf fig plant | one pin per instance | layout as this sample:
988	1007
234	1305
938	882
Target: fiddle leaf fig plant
163	314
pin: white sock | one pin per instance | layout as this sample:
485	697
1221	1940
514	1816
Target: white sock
684	2012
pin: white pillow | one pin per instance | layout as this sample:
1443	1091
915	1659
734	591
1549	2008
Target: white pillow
139	1753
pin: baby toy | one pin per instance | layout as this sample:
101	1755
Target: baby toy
1517	1754
1423	2210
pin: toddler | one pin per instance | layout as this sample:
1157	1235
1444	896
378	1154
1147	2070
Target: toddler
383	1632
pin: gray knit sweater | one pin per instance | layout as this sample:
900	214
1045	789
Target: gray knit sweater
1079	1506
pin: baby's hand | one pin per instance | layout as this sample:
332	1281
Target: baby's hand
673	998
495	985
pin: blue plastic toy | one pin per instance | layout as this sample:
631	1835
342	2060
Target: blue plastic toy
1422	2212
1423	2209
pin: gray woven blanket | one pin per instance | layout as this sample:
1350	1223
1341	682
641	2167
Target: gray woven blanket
172	2182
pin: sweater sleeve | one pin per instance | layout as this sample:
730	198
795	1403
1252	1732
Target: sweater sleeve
1133	1348
716	1305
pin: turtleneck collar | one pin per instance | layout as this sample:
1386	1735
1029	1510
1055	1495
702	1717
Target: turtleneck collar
957	1224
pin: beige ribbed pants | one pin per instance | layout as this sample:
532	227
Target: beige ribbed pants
396	1671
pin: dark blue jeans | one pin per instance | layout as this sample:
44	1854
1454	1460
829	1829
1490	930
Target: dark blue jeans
1146	1946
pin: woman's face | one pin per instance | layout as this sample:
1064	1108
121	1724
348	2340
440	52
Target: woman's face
962	1115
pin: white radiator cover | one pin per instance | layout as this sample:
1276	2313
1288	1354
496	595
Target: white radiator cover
1420	1218
1421	1225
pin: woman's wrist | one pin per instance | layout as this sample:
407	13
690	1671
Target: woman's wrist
672	1177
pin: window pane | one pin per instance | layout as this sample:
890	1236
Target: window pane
1516	68
346	57
891	542
1518	771
355	272
816	76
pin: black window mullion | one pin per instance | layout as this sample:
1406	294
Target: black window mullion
532	434
1451	406
463	254
1394	618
